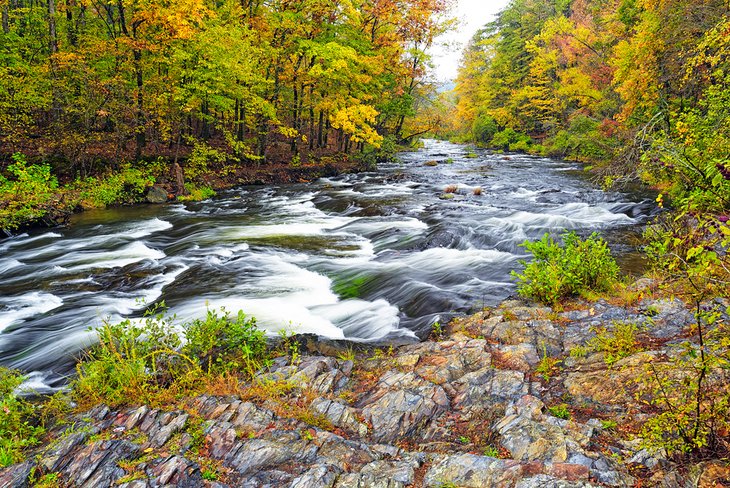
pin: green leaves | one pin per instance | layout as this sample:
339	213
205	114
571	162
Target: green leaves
558	272
25	196
18	429
147	359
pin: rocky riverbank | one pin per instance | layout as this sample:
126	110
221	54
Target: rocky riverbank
496	399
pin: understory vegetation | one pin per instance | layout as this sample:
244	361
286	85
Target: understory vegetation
19	428
30	194
153	361
685	391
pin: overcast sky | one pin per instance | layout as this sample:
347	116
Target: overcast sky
472	14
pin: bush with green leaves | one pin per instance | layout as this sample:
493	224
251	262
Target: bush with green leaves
584	140
147	360
223	343
484	128
509	139
196	193
619	341
573	268
18	430
128	185
26	195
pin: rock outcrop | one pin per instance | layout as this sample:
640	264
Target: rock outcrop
464	410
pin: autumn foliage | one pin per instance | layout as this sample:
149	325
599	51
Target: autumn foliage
86	83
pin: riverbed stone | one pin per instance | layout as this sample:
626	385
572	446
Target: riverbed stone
669	318
319	476
97	464
16	476
530	435
176	471
340	415
596	382
280	448
547	481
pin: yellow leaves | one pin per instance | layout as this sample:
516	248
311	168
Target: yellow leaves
356	120
288	132
179	19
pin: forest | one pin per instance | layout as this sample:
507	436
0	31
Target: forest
638	89
105	95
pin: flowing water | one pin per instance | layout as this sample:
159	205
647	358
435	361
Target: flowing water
371	257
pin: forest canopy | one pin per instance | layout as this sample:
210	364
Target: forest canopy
88	83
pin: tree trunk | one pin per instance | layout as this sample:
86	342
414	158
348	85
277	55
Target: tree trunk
52	35
320	130
140	137
70	26
295	92
311	117
179	180
139	123
6	19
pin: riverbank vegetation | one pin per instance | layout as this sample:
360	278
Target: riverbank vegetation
92	90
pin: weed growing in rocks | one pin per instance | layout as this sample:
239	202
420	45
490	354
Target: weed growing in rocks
578	352
618	342
147	361
548	365
560	411
437	330
491	451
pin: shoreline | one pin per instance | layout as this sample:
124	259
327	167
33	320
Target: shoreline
58	213
498	398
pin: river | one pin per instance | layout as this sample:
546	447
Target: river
371	256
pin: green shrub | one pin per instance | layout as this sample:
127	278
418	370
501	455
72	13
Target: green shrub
17	429
145	360
128	185
223	344
509	139
556	272
201	156
197	193
484	128
583	141
25	197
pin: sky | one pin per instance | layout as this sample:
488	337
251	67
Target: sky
471	14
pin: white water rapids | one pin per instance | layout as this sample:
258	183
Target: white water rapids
371	257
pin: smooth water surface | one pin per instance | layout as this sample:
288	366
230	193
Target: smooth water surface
372	257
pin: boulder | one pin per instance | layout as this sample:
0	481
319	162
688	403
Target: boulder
156	194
